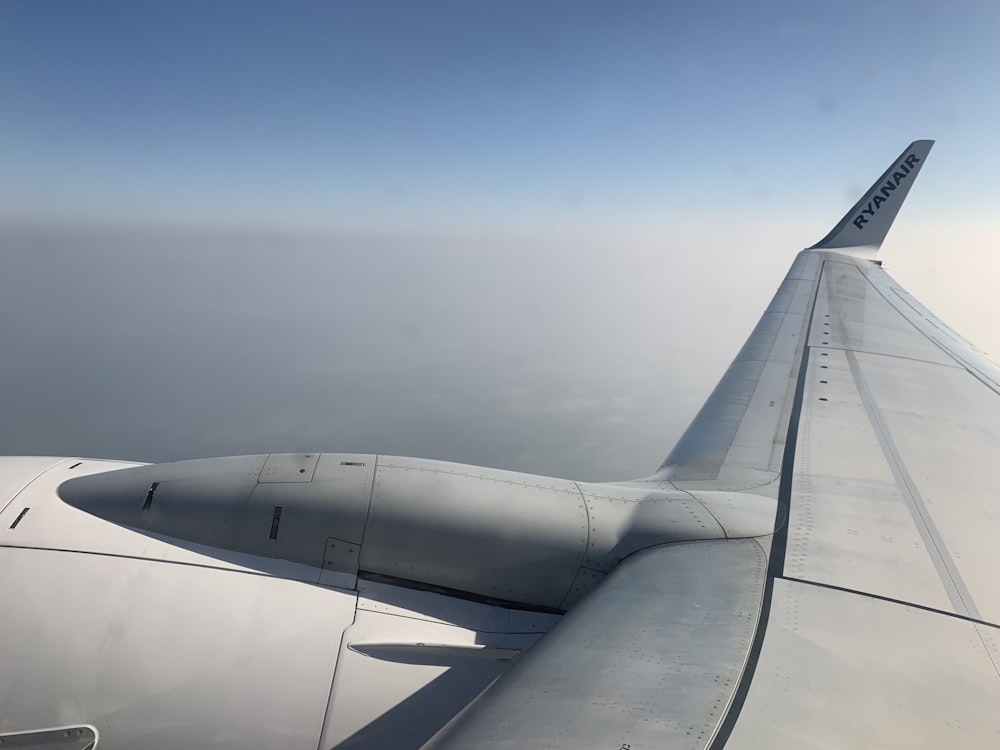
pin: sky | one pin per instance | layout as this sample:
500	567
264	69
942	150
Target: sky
526	235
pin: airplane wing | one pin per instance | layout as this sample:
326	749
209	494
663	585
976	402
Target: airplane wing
871	617
812	566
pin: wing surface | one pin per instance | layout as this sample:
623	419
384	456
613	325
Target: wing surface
878	620
650	660
737	440
882	610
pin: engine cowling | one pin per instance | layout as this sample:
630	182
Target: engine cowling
503	536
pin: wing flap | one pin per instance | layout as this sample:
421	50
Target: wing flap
838	670
650	659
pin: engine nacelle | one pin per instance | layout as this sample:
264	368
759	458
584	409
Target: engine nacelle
485	533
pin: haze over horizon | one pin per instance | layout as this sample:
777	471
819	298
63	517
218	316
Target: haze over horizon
523	235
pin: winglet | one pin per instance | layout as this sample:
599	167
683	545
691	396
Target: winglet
868	222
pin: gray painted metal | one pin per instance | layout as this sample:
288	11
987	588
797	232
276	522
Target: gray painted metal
849	523
158	655
289	467
402	675
892	493
888	632
18	473
650	659
504	536
58	738
950	480
742	515
736	440
620	527
868	222
52	524
498	534
163	643
838	670
230	503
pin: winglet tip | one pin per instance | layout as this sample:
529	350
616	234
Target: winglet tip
869	220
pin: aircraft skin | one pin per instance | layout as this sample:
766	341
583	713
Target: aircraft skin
812	566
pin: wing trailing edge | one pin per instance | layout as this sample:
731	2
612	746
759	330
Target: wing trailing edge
868	222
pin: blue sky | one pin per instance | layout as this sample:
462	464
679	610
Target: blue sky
528	235
411	115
